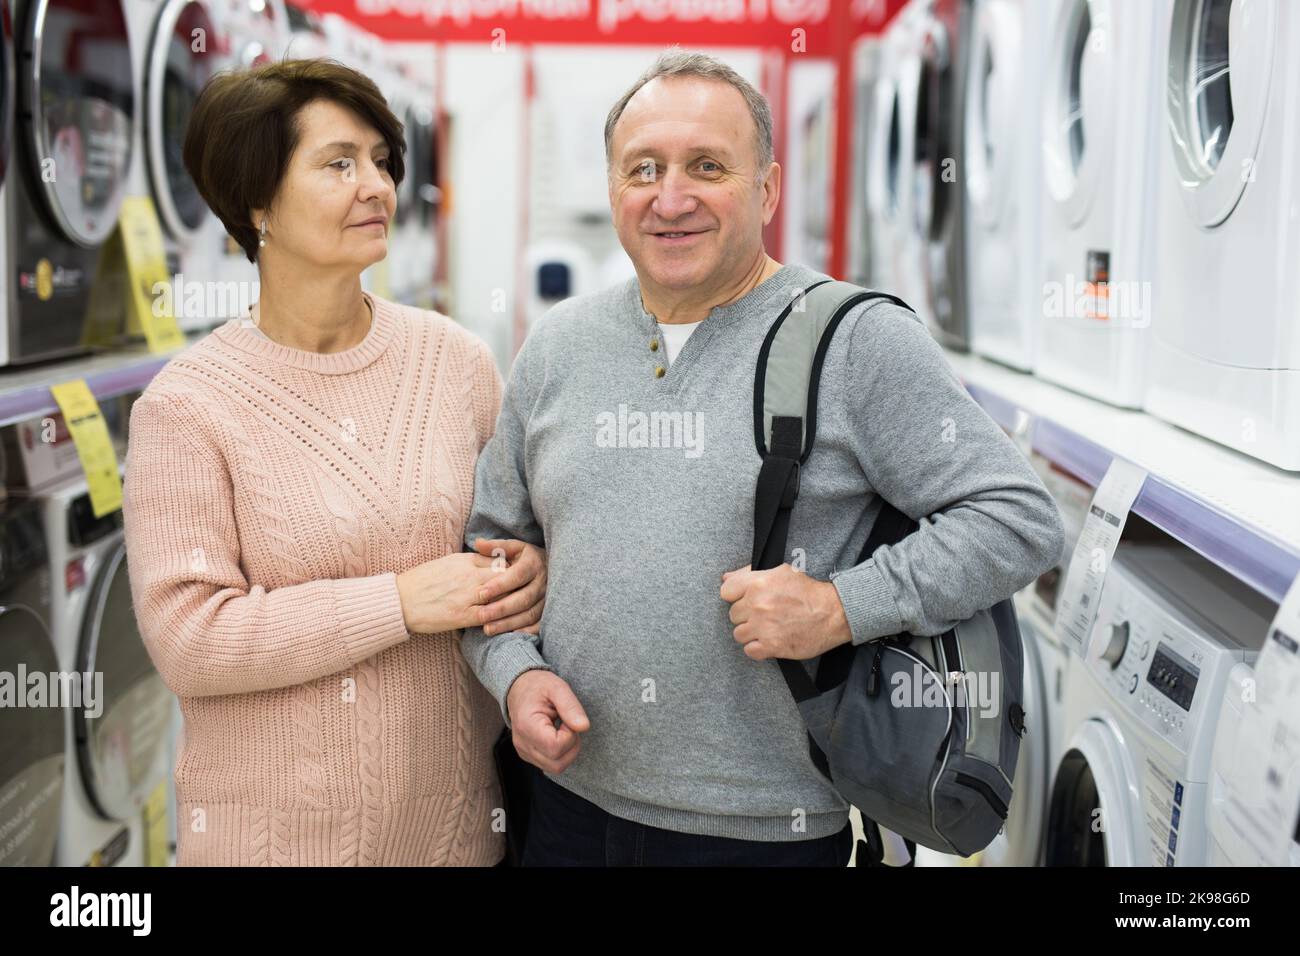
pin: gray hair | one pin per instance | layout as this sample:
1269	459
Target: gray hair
678	62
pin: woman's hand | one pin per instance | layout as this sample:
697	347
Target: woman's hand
459	590
520	586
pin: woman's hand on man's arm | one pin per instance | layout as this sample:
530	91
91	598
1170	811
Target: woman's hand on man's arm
502	588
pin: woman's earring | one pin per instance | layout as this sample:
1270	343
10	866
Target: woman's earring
262	242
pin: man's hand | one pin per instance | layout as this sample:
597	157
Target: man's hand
522	581
534	701
784	613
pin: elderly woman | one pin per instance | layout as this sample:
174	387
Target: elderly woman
297	486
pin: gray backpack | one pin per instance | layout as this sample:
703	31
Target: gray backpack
895	724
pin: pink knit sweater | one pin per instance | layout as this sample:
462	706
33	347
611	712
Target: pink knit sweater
272	496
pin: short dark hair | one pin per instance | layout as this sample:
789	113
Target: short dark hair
244	129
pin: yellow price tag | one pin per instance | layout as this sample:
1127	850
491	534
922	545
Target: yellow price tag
94	446
156	850
150	295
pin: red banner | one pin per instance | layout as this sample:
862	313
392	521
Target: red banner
800	26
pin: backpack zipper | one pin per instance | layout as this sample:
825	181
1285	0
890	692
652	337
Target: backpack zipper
978	785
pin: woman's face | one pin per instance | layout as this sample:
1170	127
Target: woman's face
337	198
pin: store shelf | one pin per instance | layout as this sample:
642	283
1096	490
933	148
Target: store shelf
1240	513
25	391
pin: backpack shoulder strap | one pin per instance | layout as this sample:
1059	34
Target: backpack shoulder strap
785	426
785	403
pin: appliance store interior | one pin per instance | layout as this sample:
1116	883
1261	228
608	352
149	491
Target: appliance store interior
1092	204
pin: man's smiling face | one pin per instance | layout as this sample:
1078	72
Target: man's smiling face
685	188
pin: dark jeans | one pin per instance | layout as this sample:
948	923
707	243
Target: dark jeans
566	830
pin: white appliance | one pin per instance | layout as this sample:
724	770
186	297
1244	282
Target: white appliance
889	175
1098	138
175	49
1225	346
1003	154
556	269
1142	707
907	191
253	33
32	756
866	74
74	109
943	44
116	757
1228	846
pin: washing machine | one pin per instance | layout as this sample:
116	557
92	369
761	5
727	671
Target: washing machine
32	756
1142	707
942	33
117	753
1099	127
1003	153
251	33
889	175
73	125
1228	845
176	49
1225	342
908	33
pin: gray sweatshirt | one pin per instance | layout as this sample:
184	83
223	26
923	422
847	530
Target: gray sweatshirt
641	487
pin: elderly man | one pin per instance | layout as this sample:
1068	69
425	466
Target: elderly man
650	700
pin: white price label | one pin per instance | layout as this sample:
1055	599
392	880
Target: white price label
1264	802
1077	605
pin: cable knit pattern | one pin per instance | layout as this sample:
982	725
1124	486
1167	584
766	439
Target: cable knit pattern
272	496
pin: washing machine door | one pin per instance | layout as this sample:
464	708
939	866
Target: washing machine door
81	100
121	750
31	740
1021	840
934	145
1078	109
1093	809
174	75
1217	87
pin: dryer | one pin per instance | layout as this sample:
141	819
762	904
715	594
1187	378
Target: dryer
177	49
74	119
253	33
1142	707
943	44
1098	275
31	729
889	174
119	756
912	190
1002	151
1225	347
